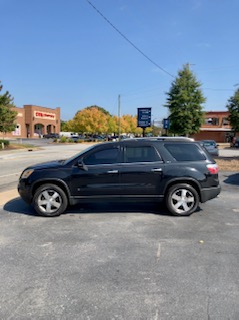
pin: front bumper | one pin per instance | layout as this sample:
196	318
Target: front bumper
24	192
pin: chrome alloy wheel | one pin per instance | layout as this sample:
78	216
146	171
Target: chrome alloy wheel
182	200
49	201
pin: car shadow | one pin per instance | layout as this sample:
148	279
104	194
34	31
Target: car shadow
116	207
18	206
231	178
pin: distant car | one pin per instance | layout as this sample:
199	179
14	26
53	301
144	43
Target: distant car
236	143
211	146
51	136
77	138
178	171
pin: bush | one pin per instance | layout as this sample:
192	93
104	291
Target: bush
4	143
63	139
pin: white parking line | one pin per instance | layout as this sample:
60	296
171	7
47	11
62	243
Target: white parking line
159	251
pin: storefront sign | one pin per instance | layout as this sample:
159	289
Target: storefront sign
44	115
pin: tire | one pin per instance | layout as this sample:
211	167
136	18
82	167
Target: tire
50	200
182	199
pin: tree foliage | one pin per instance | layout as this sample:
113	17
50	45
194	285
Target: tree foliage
64	125
233	108
129	124
99	108
90	120
7	115
97	120
185	101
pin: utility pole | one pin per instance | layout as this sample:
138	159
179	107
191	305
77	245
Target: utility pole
119	114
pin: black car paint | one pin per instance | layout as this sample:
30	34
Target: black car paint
143	181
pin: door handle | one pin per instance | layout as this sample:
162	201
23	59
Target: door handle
157	170
113	171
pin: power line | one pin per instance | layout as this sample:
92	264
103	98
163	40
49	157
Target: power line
130	42
212	89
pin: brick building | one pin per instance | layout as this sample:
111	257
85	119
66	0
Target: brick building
216	127
34	121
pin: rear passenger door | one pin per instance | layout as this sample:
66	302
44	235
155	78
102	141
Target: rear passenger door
141	172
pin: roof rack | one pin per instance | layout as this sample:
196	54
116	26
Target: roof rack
178	138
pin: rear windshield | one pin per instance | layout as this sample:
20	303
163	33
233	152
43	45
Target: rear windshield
209	144
185	151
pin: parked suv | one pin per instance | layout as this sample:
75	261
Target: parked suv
178	171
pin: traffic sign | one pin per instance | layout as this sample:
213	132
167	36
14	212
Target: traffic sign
144	117
166	123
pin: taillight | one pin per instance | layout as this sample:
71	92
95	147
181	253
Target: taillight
212	168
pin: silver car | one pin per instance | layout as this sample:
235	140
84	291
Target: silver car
211	146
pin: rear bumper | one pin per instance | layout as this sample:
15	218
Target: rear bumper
210	193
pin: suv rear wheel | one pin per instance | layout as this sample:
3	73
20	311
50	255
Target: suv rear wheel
182	199
50	200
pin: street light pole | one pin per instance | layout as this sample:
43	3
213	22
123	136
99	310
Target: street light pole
119	114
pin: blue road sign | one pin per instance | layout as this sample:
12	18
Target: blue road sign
144	117
166	123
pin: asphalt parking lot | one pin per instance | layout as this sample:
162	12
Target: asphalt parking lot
122	261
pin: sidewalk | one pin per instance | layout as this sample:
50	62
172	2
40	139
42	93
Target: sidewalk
6	196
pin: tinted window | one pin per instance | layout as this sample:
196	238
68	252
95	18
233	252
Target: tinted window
185	152
209	144
141	154
107	156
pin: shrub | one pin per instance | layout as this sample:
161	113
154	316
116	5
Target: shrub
63	139
4	143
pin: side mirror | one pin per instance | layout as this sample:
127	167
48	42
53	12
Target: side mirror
81	165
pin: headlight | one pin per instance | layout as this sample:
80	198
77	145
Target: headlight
26	173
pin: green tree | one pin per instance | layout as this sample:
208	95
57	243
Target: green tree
64	125
233	108
184	101
7	115
99	108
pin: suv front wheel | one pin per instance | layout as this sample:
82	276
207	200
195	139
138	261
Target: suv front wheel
50	200
182	199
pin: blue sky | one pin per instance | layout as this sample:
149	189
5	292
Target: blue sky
57	53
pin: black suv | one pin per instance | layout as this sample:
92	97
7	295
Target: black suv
178	171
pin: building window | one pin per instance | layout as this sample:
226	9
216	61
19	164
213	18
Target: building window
225	122
212	121
17	131
38	129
